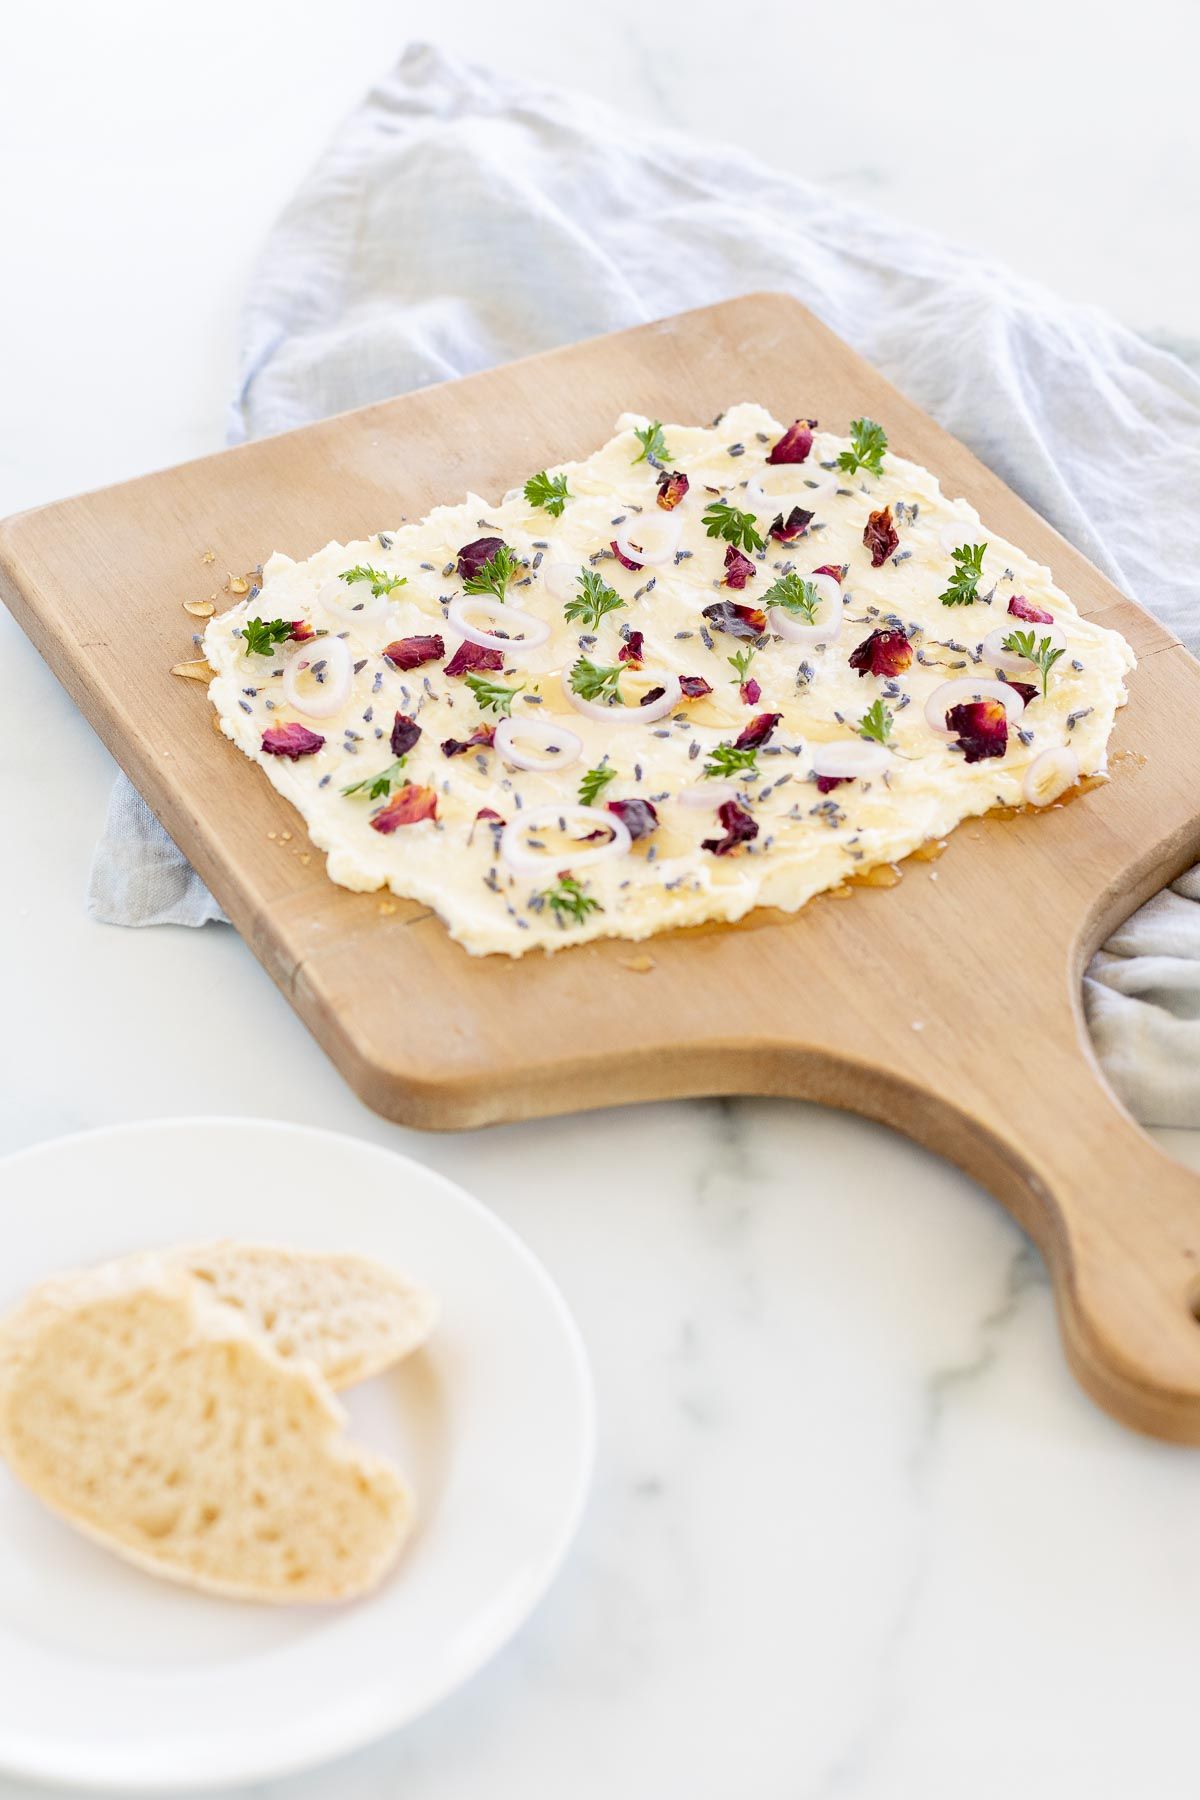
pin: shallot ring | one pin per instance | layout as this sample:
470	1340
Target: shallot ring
1058	760
507	729
642	548
953	693
524	861
536	631
629	715
351	604
788	625
330	694
707	793
847	758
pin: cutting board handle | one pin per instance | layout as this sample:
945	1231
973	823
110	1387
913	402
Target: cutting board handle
1118	1222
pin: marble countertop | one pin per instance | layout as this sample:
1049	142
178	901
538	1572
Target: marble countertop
855	1534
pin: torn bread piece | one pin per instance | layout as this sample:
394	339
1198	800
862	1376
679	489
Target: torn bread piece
350	1316
152	1418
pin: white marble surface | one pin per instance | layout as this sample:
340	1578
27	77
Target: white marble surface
855	1534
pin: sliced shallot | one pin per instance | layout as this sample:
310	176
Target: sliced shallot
1050	775
759	501
560	747
848	758
560	580
351	603
533	632
651	537
525	860
326	668
993	644
954	693
954	533
791	626
707	793
670	697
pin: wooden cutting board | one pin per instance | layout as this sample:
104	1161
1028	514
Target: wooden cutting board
947	1008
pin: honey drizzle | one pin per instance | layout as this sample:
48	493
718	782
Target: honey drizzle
890	874
1084	785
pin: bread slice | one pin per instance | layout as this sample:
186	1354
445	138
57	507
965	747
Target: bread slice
149	1416
348	1315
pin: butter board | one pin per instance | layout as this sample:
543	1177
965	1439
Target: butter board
949	1009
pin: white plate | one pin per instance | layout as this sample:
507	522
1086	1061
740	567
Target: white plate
112	1679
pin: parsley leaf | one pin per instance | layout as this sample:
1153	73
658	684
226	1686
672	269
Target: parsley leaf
548	491
724	521
491	695
595	681
1043	655
876	723
568	900
381	582
594	783
494	576
868	441
968	573
377	786
262	635
594	599
727	759
795	595
654	444
740	663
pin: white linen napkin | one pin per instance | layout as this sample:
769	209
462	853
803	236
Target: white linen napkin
461	219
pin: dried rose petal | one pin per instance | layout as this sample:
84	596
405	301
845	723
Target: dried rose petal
795	444
1028	690
750	692
411	652
739	829
301	631
488	812
827	783
651	695
738	568
672	486
626	562
981	727
1021	608
880	536
883	653
837	570
405	732
482	738
738	621
758	731
631	650
786	531
408	806
469	657
694	687
292	741
639	817
472	556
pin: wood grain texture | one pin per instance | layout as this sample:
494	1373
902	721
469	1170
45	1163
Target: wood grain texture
949	1009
